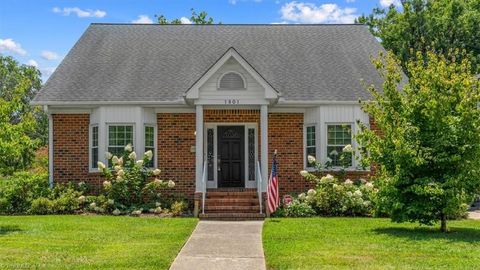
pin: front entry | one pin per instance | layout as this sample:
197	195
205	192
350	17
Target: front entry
230	158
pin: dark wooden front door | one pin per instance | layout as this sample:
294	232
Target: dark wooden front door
231	152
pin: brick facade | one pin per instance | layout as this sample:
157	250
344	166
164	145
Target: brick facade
71	149
285	134
176	136
175	139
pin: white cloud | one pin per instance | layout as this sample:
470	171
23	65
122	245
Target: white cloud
47	71
32	62
81	13
8	45
350	1
300	12
142	19
185	20
48	55
387	3
234	2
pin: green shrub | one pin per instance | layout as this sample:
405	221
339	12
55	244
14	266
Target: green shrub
178	208
41	206
19	190
298	208
65	199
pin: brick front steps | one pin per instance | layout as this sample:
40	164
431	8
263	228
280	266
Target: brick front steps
232	204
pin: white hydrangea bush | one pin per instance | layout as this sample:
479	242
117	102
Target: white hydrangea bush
128	185
333	197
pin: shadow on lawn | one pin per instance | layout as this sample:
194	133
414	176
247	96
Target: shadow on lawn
455	234
9	229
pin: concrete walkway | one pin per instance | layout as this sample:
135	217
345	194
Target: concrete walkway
223	245
474	215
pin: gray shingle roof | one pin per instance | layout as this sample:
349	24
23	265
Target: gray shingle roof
130	62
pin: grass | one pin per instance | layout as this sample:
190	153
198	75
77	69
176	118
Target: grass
367	243
91	242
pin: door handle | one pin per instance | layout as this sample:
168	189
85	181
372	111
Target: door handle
219	168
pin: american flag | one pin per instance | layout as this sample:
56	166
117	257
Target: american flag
273	194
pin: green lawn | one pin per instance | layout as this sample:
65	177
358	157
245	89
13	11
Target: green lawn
91	242
367	243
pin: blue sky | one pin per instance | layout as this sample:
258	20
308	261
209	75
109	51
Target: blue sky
41	32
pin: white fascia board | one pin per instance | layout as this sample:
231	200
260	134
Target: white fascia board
306	103
100	103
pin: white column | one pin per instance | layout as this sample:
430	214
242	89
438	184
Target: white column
264	144
199	148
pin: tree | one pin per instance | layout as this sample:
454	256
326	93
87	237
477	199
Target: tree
200	18
428	25
428	145
18	120
11	75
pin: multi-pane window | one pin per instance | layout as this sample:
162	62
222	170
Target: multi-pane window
310	146
150	143
118	137
94	147
338	136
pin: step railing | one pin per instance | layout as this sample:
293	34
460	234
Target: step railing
259	186
204	186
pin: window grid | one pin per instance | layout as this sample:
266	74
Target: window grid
338	136
311	145
150	144
118	137
94	149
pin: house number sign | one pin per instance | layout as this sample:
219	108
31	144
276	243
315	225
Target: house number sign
232	101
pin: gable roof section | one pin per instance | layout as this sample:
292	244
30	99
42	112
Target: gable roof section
129	63
193	91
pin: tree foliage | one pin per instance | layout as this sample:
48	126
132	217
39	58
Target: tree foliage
425	25
195	18
21	129
428	147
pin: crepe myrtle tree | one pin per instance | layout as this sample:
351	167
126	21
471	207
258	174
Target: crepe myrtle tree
428	144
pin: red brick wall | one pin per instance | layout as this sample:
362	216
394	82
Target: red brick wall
176	136
70	149
175	139
285	134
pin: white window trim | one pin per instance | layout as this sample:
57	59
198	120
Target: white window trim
231	71
91	169
155	153
353	143
305	162
214	126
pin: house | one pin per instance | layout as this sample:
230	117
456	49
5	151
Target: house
212	102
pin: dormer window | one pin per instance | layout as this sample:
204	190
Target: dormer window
231	81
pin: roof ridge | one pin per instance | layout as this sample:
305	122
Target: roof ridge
234	24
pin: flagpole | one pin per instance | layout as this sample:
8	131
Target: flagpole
268	184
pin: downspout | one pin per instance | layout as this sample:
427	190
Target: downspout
50	148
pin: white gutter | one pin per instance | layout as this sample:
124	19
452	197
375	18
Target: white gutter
83	103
